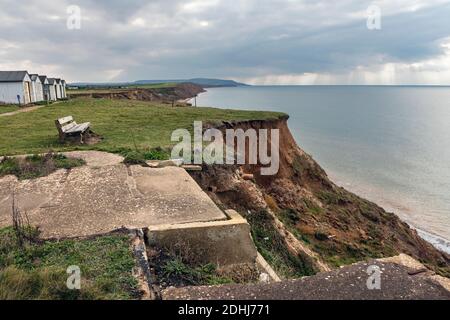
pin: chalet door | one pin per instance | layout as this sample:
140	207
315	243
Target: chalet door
27	93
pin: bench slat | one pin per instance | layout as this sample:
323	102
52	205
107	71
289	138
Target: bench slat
79	128
65	120
69	127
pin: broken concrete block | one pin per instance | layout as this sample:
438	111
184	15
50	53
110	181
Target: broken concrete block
222	242
165	163
189	167
153	164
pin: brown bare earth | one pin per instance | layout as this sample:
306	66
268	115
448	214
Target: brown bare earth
25	109
323	224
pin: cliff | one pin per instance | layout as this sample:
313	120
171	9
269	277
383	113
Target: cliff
178	92
302	222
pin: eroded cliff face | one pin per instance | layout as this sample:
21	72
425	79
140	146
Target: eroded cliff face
181	91
302	222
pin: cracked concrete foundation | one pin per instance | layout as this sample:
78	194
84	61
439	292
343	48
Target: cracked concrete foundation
223	243
104	196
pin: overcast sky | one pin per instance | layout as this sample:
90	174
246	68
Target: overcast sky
255	41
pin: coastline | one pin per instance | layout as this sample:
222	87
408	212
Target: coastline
402	210
438	241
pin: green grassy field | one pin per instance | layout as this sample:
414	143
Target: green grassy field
8	108
90	90
38	270
123	124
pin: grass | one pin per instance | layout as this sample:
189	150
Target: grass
100	89
36	166
272	247
290	219
330	252
178	273
38	270
8	108
140	157
178	270
125	125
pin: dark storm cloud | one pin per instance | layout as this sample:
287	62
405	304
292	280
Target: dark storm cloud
138	39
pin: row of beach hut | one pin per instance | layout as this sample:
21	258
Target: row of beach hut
21	87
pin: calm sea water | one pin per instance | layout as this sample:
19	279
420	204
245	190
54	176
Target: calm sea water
388	144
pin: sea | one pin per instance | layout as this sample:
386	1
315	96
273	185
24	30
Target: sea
388	144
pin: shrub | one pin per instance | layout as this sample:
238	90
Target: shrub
320	236
175	270
156	154
271	245
9	166
36	166
134	157
62	162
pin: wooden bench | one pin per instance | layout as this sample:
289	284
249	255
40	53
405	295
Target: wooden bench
67	127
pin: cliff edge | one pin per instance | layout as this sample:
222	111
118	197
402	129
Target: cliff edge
180	91
302	222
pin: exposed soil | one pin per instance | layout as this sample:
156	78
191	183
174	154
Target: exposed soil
22	110
314	216
89	139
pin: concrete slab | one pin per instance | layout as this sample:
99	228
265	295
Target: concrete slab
398	282
224	243
92	200
96	158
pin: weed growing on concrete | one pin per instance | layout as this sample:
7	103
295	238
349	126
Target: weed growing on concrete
36	166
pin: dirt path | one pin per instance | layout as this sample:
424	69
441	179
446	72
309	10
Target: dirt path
28	109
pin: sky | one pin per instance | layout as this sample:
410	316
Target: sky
280	42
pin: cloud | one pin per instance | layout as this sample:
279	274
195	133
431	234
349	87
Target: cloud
261	41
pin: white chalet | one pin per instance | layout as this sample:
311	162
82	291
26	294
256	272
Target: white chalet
37	92
15	87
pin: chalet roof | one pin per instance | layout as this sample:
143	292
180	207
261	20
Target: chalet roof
12	76
34	77
43	78
52	81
